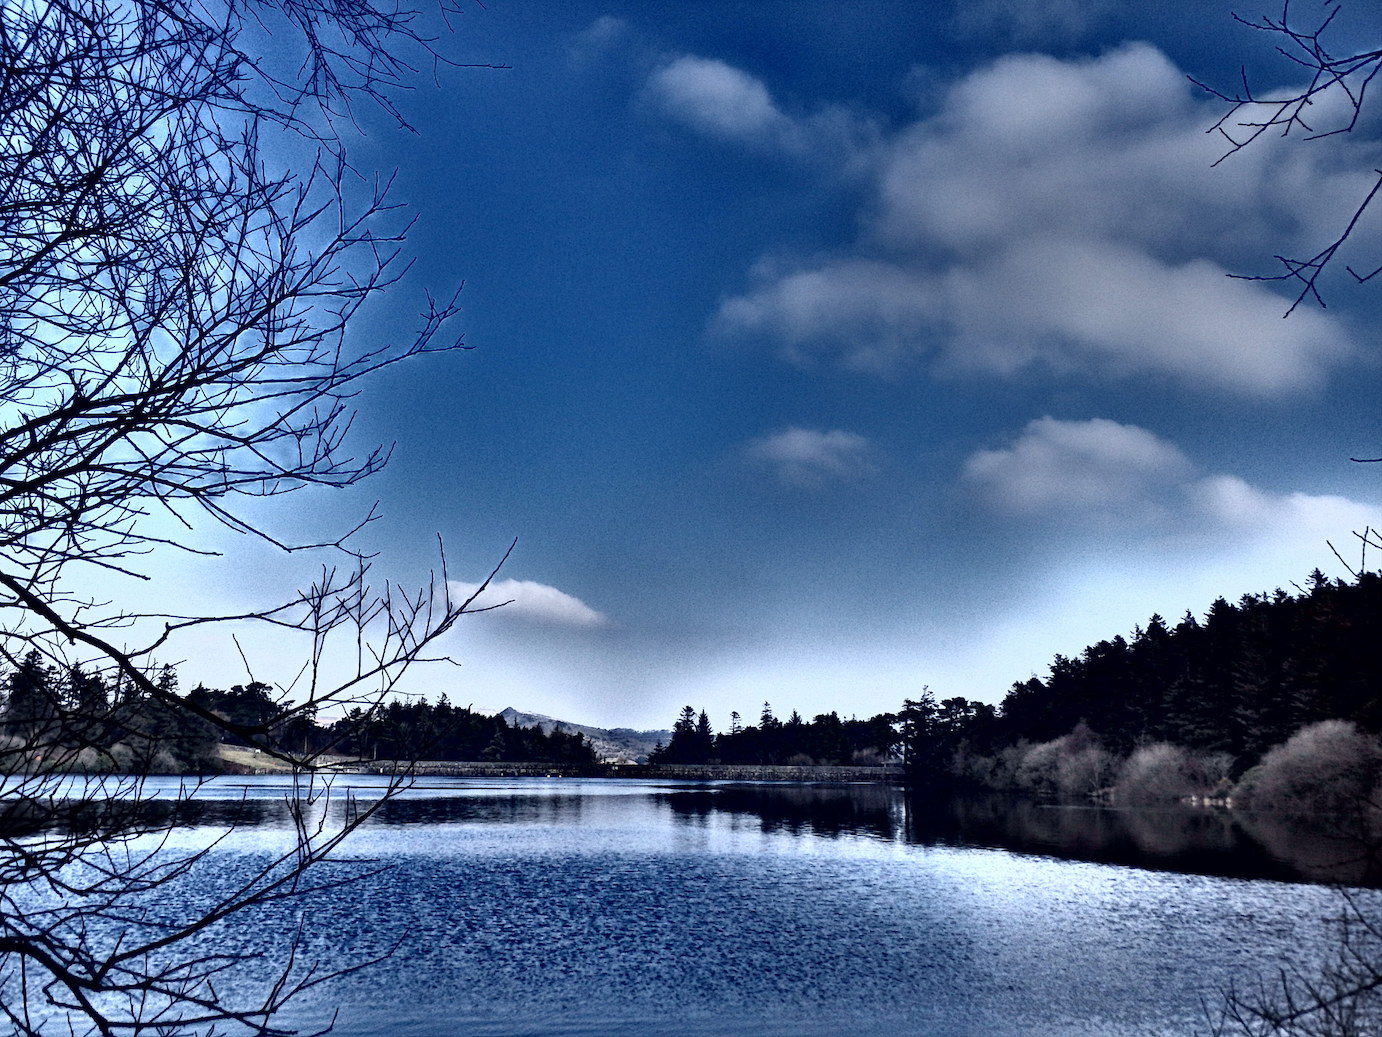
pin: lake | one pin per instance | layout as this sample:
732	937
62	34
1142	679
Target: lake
552	907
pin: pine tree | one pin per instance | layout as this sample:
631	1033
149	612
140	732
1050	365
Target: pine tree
32	706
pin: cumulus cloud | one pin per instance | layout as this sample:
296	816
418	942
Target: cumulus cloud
1101	471
716	98
1065	214
726	103
810	459
877	307
1114	309
530	601
1077	465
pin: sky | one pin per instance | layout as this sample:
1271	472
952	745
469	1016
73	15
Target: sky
821	353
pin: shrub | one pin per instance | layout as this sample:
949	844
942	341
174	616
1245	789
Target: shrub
1330	767
1158	774
1086	773
1038	772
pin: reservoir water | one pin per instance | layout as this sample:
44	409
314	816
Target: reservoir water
546	908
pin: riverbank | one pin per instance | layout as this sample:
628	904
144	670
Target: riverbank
249	761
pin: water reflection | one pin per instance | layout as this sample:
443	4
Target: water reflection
1328	849
549	908
1188	840
110	816
824	810
499	807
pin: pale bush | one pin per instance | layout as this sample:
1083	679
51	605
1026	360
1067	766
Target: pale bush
1085	773
91	760
1330	767
165	762
1158	774
121	757
1007	764
1218	771
1038	772
1074	766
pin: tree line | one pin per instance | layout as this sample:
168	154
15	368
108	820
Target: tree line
1290	681
1223	691
76	719
425	731
1195	708
825	741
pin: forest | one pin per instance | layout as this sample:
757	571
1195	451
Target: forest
1274	700
825	741
130	732
1240	681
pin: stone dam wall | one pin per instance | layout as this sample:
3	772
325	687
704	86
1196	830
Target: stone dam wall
703	772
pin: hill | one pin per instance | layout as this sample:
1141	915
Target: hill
618	743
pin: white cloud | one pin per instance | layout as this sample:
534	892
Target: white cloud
1077	465
1125	478
534	602
726	103
601	36
718	99
1066	214
1304	519
879	309
807	458
604	31
1111	309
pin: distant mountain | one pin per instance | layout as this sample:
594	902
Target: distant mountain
618	743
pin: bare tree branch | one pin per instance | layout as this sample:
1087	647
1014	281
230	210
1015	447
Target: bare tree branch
1342	78
176	305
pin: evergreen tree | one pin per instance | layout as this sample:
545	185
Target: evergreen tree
87	694
705	738
686	746
923	755
32	705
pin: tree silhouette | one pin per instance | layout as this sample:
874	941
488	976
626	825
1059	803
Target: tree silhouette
1332	102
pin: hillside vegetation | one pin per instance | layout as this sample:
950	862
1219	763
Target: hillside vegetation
1276	698
76	720
1274	701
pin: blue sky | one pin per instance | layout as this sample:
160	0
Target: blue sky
823	352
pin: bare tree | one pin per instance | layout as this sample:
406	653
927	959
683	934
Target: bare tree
1332	102
1341	998
175	306
1342	995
